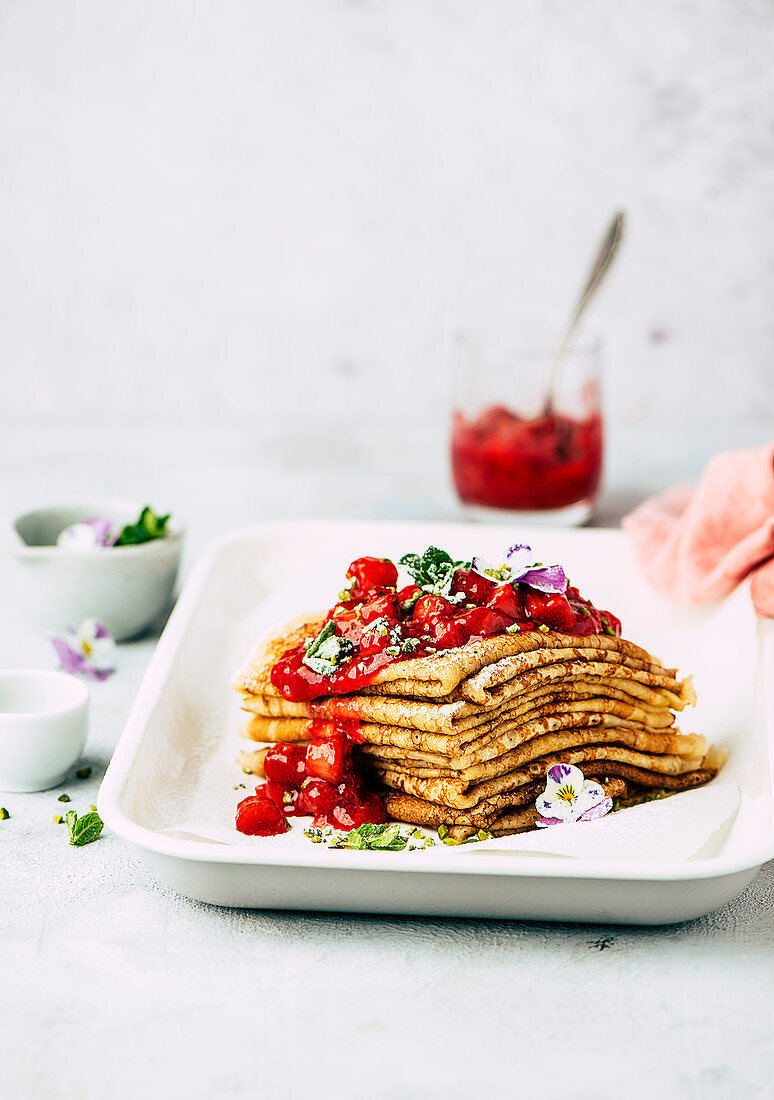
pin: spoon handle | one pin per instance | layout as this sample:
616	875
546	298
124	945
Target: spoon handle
602	261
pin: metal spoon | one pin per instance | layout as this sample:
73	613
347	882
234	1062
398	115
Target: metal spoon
602	261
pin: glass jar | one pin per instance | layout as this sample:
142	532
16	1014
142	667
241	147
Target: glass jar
511	451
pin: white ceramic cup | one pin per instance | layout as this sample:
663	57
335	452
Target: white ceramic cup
43	726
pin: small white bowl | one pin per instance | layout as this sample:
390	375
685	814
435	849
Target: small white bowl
43	725
125	587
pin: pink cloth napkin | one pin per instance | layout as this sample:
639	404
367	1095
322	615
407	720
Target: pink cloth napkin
699	544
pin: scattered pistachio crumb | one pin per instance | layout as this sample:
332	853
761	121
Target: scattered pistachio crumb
4	815
93	809
58	819
63	798
84	772
247	771
240	787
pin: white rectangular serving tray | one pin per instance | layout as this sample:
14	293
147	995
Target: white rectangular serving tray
176	760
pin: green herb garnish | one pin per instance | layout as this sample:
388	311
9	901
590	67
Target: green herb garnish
4	815
327	651
84	773
83	830
432	571
370	837
147	528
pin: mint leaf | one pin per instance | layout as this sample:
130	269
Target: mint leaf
378	838
384	838
83	830
147	528
433	571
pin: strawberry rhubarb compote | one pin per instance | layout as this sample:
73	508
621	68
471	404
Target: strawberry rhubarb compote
502	460
378	620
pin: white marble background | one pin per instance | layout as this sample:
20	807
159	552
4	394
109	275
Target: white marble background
239	223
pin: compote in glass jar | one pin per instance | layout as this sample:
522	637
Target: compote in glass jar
512	451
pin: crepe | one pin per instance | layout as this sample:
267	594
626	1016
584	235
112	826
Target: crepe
432	677
464	737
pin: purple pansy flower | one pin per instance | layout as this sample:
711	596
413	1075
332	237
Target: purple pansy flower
87	650
520	565
90	534
569	797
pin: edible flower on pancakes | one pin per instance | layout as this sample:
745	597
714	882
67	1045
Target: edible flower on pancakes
569	797
87	650
520	565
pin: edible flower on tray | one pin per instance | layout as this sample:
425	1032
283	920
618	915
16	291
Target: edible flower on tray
569	797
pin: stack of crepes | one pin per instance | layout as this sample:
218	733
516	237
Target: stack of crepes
464	737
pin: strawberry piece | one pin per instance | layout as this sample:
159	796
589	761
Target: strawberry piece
408	596
476	588
354	809
327	759
380	606
369	573
282	798
507	600
549	608
317	797
258	815
285	764
430	610
480	622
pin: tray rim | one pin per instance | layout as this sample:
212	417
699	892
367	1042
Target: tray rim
488	863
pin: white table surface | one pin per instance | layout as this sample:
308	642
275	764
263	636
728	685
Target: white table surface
114	986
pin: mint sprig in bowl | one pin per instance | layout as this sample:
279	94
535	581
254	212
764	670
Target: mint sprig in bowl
111	560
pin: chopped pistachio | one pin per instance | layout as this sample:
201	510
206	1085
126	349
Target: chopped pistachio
84	772
240	787
58	819
543	628
4	815
247	771
63	798
482	834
